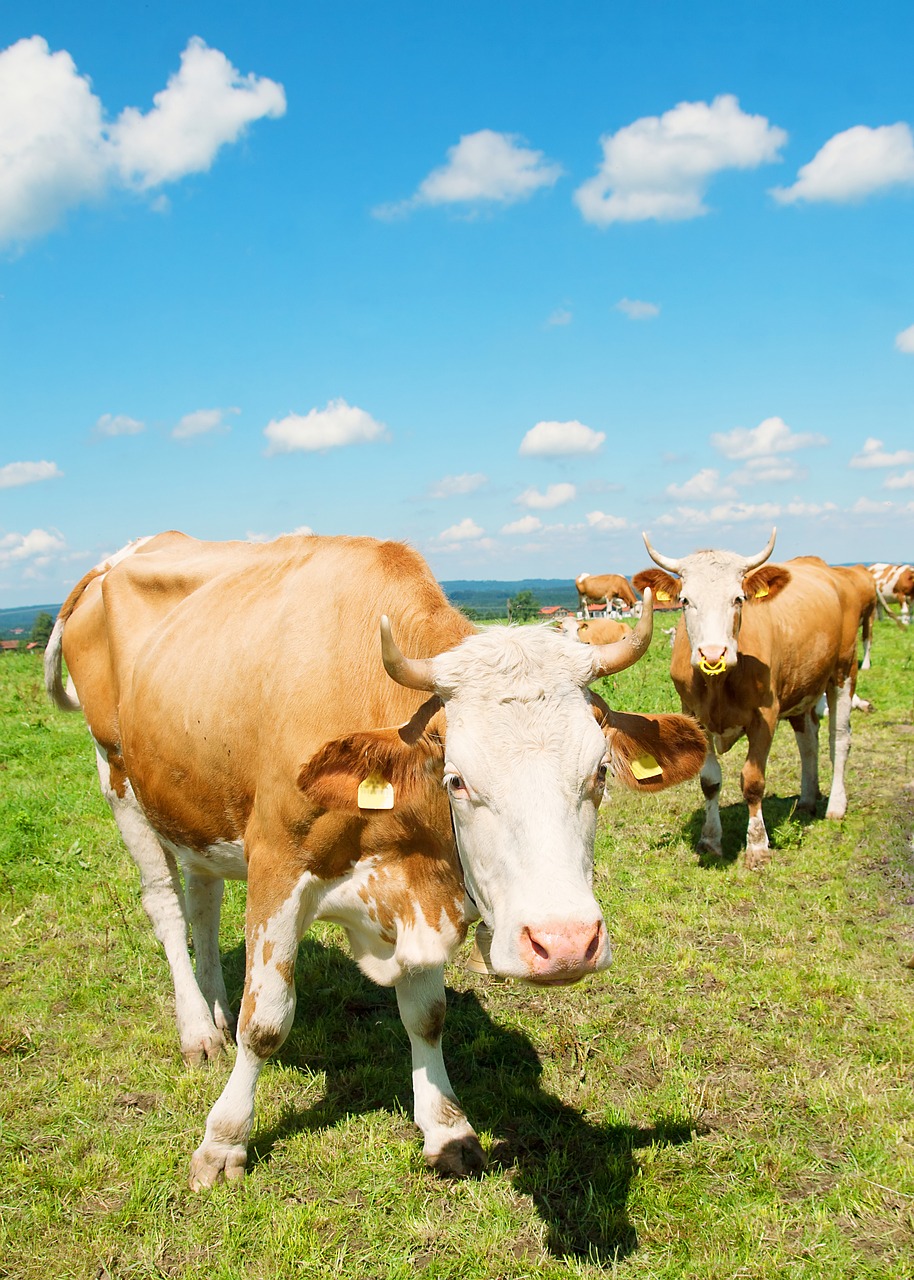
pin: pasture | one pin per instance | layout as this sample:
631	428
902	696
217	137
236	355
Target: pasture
733	1098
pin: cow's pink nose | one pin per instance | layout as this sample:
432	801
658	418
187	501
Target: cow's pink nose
562	952
712	653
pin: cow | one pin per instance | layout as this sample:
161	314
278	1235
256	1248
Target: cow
895	580
604	586
253	720
595	630
758	643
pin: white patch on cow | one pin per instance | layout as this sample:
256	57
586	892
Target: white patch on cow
225	859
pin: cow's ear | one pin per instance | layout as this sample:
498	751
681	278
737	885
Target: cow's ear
364	771
766	582
650	753
664	586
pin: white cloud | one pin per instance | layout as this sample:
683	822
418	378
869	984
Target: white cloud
636	310
769	469
904	481
331	428
556	439
854	164
201	422
874	455
771	436
56	151
869	507
457	486
16	473
660	166
604	523
561	316
555	496
465	531
526	524
704	484
118	424
482	166
36	548
724	513
808	510
904	341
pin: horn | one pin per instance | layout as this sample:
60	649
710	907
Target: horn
413	673
610	658
671	566
760	559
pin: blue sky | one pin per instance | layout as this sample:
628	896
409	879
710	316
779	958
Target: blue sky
511	281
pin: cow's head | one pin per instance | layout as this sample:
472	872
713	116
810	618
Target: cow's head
712	587
525	763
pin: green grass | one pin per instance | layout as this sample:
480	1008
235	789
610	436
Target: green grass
734	1098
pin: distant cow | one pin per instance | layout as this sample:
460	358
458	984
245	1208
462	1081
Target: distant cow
595	630
240	735
606	586
896	580
758	643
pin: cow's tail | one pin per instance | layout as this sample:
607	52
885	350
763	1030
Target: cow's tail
61	696
883	610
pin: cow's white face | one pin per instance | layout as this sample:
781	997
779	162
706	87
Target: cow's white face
524	767
712	594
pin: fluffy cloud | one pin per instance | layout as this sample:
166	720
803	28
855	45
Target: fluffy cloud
660	166
904	341
704	484
56	150
771	436
723	513
457	486
770	469
558	439
874	455
636	310
904	481
526	524
555	496
201	422
869	507
465	531
118	424
561	316
320	429
483	166
17	473
854	164
37	548
601	522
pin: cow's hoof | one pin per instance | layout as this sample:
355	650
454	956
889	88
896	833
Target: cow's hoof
209	1049
758	858
211	1165
710	848
459	1158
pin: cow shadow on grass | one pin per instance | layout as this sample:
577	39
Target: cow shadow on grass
577	1173
784	823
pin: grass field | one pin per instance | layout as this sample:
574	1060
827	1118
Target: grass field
733	1098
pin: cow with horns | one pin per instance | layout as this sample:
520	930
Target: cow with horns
604	586
758	643
251	721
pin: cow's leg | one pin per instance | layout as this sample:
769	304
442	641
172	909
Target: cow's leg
163	902
752	779
276	916
839	740
806	728
451	1147
711	777
204	904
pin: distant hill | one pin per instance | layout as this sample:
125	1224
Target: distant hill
23	616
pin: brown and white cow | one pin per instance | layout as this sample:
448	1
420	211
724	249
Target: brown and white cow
604	586
758	643
251	723
896	580
595	630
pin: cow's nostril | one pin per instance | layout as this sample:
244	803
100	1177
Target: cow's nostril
594	944
538	948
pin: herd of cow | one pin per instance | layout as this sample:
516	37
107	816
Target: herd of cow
247	725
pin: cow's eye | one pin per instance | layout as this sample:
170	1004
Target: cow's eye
455	786
740	600
684	602
602	772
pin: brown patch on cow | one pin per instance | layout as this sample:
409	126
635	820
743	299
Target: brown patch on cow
676	742
664	586
268	949
432	1023
286	970
769	581
262	1040
448	1112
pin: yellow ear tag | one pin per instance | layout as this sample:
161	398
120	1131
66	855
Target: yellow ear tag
663	595
761	593
646	767
375	793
